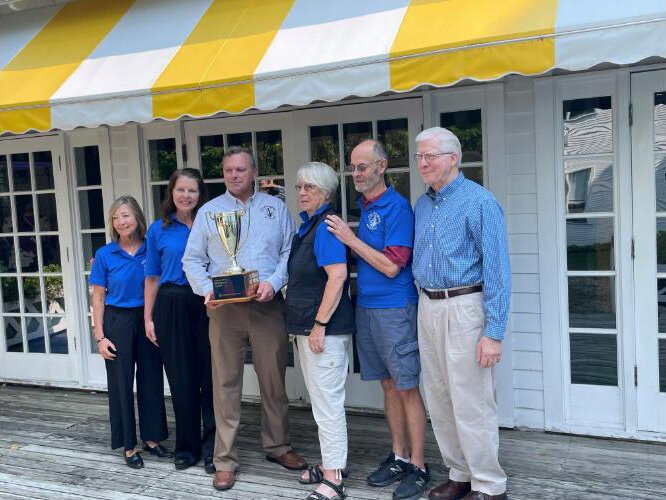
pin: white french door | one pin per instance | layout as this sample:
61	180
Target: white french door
329	135
39	339
648	91
268	136
91	193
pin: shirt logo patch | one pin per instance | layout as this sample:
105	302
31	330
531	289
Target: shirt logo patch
373	221
269	212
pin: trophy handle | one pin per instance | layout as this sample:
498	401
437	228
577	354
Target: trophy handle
247	232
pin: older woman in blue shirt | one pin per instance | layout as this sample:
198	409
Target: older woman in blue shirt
117	283
320	314
176	321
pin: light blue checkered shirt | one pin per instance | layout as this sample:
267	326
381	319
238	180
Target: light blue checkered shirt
460	240
265	247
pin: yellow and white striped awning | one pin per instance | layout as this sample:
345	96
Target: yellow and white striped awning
89	62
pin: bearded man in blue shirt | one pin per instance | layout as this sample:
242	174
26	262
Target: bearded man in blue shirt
386	337
461	264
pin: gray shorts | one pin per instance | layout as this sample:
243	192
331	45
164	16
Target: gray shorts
387	345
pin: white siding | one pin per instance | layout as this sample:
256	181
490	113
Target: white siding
125	161
522	227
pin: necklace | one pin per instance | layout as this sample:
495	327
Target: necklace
132	250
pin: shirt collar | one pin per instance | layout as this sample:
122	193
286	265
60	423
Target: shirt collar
237	201
305	217
448	189
115	248
380	200
177	220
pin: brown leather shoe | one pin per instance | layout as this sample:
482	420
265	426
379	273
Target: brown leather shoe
290	460
477	495
224	480
451	490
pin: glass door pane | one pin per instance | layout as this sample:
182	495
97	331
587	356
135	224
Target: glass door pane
91	228
31	267
588	152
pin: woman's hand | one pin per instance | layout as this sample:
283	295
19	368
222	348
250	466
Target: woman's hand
104	346
150	331
316	339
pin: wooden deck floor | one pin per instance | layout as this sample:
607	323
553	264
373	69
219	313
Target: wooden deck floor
54	444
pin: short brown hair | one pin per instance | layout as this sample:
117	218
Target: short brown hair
136	211
237	150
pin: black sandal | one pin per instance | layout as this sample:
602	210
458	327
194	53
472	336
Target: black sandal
316	475
338	488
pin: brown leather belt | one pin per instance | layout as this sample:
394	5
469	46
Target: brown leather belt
454	292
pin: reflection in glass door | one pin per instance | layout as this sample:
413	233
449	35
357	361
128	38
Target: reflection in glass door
649	176
591	293
33	304
589	222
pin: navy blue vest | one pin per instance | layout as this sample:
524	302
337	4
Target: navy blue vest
306	288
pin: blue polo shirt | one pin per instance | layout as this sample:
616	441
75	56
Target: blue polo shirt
327	248
385	222
165	247
120	273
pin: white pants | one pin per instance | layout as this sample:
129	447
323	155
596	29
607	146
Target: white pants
459	393
325	376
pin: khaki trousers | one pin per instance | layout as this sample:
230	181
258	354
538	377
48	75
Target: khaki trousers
231	328
459	393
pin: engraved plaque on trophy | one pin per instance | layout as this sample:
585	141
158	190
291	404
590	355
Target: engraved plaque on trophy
235	284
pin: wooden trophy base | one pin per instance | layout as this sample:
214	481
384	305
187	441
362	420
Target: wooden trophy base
234	288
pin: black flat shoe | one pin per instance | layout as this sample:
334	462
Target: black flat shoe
209	466
135	461
159	451
183	463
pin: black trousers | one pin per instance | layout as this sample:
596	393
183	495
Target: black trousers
125	328
181	327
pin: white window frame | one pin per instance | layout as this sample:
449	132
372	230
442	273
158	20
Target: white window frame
93	371
295	384
578	408
157	131
64	369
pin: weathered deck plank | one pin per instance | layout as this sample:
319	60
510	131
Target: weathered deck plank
54	445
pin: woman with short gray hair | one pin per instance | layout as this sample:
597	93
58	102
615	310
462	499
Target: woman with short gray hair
321	316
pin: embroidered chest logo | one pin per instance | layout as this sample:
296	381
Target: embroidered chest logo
373	221
269	212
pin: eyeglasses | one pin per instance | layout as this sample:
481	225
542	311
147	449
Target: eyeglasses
361	167
428	157
308	188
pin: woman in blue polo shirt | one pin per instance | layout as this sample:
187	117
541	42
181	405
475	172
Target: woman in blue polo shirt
117	283
320	314
176	321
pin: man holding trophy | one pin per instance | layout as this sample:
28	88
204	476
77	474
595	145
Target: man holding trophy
237	239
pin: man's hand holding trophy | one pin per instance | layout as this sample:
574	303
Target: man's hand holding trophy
235	284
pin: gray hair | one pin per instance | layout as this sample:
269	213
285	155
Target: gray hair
237	150
320	175
448	142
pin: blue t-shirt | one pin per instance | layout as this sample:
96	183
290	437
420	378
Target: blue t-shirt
386	222
165	247
120	273
327	248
